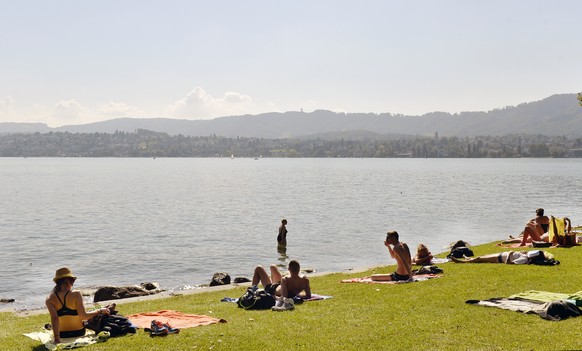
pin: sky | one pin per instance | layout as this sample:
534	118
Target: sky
76	62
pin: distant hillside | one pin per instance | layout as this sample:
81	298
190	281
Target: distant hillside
12	127
553	116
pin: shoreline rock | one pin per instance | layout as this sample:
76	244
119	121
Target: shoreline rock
107	293
220	278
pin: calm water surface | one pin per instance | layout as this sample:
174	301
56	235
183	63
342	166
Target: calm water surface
177	221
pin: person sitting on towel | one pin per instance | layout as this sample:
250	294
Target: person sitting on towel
535	230
423	256
66	308
401	253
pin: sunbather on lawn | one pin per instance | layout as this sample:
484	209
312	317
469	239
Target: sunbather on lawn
293	284
423	256
286	287
66	308
535	230
401	253
512	257
509	257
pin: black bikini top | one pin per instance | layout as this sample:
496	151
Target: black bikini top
65	311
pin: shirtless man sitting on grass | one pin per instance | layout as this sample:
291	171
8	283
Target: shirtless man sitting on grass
401	253
285	288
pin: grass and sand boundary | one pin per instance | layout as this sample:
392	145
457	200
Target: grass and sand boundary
430	315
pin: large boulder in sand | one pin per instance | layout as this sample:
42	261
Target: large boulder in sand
106	293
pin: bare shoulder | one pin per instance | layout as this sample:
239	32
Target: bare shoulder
50	297
400	248
73	295
300	278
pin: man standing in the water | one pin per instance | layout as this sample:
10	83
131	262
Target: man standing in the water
282	237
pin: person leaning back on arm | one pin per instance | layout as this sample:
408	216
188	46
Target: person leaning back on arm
66	307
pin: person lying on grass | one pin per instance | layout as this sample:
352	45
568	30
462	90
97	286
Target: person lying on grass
284	288
401	253
512	257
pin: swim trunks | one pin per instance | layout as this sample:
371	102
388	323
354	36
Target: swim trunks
512	257
398	277
271	288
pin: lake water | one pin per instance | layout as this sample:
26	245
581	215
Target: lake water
177	221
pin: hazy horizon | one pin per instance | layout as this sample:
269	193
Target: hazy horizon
69	63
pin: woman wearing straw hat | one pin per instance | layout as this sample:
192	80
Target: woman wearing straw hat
66	307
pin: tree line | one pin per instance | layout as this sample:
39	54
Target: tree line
144	143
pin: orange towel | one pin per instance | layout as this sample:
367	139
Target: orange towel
175	318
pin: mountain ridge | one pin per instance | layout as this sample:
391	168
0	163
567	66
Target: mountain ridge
556	115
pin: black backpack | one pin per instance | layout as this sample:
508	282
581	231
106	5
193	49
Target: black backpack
115	324
256	299
460	252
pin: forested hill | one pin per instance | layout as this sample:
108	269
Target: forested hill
554	116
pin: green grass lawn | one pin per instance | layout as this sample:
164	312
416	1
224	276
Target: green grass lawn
429	315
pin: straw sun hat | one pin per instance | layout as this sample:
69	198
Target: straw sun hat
63	273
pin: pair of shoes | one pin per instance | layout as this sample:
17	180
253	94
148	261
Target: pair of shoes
283	304
162	329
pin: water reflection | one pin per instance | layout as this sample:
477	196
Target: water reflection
283	257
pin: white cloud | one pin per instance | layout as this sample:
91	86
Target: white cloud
199	104
118	109
236	98
6	108
69	110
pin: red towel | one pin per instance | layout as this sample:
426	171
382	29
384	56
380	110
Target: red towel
174	318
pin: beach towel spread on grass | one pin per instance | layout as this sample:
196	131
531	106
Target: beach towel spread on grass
46	338
545	296
439	260
317	297
416	278
175	318
554	310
